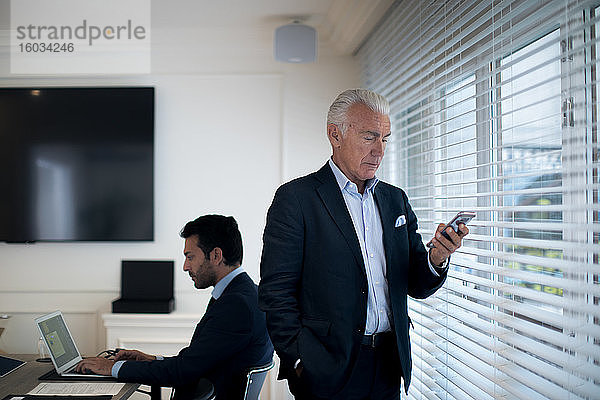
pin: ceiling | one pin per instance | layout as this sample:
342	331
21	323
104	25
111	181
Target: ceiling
341	24
214	25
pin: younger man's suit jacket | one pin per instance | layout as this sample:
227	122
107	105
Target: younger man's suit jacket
230	338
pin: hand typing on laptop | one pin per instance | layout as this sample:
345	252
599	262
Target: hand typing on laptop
134	355
95	365
103	366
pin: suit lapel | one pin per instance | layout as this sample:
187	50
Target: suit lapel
387	221
231	287
211	302
332	198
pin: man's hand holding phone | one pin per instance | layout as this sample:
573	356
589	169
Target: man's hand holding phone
449	237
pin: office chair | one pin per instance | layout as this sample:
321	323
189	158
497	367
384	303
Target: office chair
204	391
255	378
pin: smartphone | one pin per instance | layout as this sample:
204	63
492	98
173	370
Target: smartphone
463	217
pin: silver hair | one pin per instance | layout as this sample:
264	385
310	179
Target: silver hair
339	108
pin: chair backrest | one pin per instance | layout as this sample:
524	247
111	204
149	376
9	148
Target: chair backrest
255	378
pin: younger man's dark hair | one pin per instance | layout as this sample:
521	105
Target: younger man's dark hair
217	231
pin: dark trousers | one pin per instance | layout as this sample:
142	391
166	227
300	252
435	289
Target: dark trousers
375	376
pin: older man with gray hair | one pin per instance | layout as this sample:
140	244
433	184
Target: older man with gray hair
341	253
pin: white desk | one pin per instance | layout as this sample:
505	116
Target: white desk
25	378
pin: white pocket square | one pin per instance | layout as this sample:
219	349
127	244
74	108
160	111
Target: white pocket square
401	220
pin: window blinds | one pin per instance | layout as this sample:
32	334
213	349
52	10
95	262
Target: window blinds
494	108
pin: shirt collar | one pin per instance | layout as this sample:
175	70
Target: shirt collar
344	182
223	283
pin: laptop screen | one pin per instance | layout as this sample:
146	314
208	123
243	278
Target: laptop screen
58	339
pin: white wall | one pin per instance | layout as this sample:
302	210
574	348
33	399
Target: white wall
231	125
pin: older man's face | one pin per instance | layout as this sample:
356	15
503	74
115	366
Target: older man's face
359	151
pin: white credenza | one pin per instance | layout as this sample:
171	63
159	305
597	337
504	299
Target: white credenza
163	334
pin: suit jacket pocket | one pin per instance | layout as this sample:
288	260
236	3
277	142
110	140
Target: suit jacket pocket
401	230
323	371
320	327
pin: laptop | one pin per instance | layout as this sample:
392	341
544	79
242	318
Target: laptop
58	339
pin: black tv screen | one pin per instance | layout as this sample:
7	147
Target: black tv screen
77	164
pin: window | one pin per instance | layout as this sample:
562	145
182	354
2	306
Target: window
494	108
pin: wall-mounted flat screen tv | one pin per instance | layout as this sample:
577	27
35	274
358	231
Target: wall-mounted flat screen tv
77	164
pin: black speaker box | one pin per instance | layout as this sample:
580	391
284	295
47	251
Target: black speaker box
146	287
143	306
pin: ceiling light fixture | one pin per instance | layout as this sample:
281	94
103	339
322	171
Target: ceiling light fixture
295	43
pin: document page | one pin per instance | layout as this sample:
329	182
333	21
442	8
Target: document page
77	389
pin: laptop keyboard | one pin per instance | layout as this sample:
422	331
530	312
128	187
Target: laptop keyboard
72	372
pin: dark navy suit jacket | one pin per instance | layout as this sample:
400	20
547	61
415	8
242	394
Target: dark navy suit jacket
230	338
313	284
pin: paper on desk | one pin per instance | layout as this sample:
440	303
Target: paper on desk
77	388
